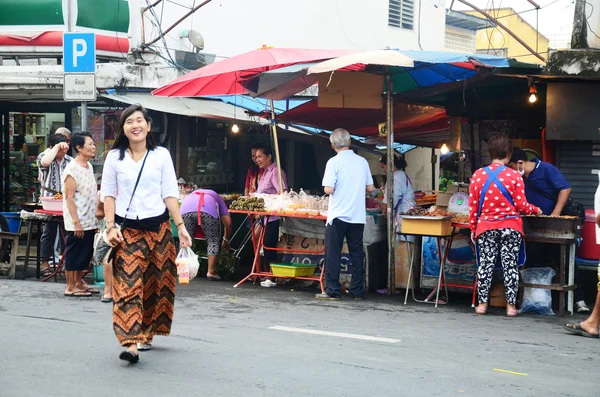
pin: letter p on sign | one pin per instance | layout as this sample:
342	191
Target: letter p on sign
79	53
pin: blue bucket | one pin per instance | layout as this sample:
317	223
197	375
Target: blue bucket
14	221
98	275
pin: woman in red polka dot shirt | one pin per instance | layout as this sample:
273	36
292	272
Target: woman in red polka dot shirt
497	196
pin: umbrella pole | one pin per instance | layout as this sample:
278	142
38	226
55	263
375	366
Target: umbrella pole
390	188
276	143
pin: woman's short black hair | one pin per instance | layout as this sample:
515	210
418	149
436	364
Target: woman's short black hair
399	161
55	139
518	154
121	141
500	147
78	139
266	151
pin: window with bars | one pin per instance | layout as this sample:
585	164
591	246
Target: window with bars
401	13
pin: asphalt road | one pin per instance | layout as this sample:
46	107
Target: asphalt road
223	344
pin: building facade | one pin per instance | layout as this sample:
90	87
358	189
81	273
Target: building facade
496	41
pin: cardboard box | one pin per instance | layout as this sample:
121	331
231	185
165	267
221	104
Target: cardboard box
455	188
402	263
350	90
443	199
427	227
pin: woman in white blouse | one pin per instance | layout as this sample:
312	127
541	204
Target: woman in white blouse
144	260
80	193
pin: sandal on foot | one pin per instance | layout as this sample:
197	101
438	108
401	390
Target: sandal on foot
78	294
129	356
480	311
106	299
144	346
210	277
512	313
578	330
47	272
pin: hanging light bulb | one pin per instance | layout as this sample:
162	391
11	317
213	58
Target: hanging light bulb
235	129
445	149
532	91
533	97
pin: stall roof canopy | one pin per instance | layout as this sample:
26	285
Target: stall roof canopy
207	108
413	123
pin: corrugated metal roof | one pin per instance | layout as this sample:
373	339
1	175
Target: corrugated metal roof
465	21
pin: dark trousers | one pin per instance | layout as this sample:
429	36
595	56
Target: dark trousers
47	240
334	241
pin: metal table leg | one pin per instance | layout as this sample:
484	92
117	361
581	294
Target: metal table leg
562	278
572	270
27	247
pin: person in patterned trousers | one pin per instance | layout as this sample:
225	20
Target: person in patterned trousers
496	196
144	255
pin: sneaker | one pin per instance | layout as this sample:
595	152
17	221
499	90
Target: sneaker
324	296
268	283
144	347
582	307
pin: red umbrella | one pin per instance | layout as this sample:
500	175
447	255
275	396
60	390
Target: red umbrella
223	77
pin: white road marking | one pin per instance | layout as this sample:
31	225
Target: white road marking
335	334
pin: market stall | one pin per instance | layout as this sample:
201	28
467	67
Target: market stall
443	228
303	233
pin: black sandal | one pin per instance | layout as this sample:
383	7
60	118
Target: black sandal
46	272
129	356
578	330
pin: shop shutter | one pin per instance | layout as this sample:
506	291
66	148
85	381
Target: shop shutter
577	162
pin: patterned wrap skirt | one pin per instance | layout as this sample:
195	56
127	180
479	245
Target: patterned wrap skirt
144	283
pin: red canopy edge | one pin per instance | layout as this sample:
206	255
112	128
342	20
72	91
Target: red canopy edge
364	122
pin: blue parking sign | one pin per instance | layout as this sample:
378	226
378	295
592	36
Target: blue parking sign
79	52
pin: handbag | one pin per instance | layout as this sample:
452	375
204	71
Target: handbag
572	208
103	251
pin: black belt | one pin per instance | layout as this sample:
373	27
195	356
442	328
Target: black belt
146	224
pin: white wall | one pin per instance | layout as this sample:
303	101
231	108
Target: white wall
232	27
419	168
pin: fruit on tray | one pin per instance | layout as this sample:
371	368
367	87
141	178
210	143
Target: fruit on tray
255	204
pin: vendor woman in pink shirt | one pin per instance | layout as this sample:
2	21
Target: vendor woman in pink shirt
497	196
202	212
269	184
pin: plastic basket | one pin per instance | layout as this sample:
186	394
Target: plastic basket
14	221
49	204
293	269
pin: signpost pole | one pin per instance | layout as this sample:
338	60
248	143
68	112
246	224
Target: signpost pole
84	119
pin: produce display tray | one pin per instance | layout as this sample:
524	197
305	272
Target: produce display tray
293	269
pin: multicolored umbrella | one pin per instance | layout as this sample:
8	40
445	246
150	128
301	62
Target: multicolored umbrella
429	68
223	77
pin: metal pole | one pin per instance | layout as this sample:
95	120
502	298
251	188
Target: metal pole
70	19
84	120
390	187
510	32
276	144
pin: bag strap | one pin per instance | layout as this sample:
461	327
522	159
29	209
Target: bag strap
493	177
135	188
200	205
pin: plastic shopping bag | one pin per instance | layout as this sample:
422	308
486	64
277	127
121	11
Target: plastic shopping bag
187	265
536	300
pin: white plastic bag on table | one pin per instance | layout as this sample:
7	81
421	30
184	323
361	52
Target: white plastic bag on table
536	300
187	265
